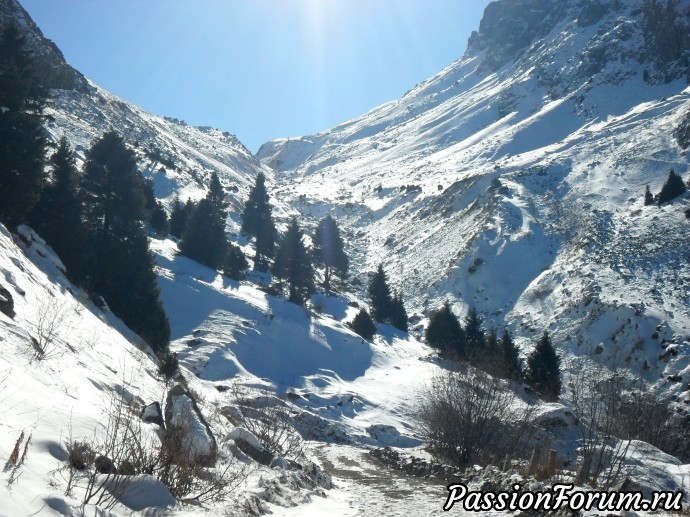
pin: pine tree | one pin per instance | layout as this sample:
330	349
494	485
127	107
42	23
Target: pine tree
158	219
178	218
673	188
57	215
380	296
235	262
491	350
363	325
204	239
398	314
293	264
474	334
329	250
510	355
120	266
648	197
216	195
543	372
23	140
445	333
149	196
257	221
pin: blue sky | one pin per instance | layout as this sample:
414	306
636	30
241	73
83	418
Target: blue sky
261	69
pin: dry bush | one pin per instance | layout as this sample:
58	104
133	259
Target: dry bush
50	328
269	419
469	417
101	467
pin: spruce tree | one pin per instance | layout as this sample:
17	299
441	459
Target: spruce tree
329	250
257	222
543	372
648	197
216	195
235	262
178	218
158	219
22	137
363	325
119	266
510	355
673	188
445	333
380	296
57	215
204	238
398	314
474	334
293	264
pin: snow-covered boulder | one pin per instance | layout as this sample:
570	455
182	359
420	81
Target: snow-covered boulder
182	413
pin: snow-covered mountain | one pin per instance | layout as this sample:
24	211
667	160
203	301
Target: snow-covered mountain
512	181
178	157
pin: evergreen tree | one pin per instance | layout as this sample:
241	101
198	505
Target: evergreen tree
329	250
149	196
235	262
257	221
398	314
204	239
510	355
363	325
673	188
119	266
293	264
158	219
445	332
57	215
543	372
648	197
491	350
380	296
474	334
178	218
22	137
216	195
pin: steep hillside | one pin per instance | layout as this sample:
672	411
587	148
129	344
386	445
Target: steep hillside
180	158
512	181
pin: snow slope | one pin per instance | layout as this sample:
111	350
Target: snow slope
512	181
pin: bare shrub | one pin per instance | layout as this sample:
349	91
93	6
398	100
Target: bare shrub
645	417
51	326
595	395
269	419
101	468
469	417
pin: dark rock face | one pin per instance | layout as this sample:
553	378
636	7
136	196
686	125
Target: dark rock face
153	414
264	457
6	303
48	60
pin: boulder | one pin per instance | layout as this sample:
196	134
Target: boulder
153	414
183	414
6	302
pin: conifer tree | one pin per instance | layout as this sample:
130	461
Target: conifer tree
491	350
120	266
474	334
57	215
22	137
510	354
380	296
204	238
363	325
235	262
178	218
445	333
543	372
158	219
673	188
329	250
293	264
648	197
257	221
398	314
216	195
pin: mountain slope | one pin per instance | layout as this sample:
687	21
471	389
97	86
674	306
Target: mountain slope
512	181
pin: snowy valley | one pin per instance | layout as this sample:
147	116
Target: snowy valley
512	182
